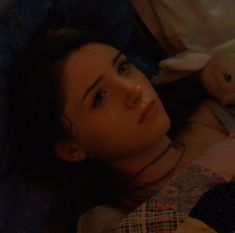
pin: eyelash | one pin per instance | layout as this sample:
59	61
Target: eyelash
100	94
125	63
97	99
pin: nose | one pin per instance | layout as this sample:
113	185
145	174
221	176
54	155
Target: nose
132	94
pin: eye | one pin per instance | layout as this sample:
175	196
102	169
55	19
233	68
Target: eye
98	98
227	77
123	66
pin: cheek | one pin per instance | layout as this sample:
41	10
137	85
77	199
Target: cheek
109	138
103	125
95	129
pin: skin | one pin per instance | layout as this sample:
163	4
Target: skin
105	122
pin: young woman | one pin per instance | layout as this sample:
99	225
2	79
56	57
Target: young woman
79	102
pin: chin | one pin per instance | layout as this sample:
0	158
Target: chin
162	125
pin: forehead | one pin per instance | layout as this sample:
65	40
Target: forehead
88	61
83	66
89	53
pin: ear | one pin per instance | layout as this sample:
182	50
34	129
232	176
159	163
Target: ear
166	76
180	66
69	150
186	61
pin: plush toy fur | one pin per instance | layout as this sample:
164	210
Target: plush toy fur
215	68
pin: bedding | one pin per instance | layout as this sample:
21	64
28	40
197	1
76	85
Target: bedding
23	206
182	24
195	193
200	197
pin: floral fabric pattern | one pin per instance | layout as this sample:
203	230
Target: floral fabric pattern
151	217
184	190
169	208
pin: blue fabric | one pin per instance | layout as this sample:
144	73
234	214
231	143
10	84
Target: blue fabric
24	208
216	208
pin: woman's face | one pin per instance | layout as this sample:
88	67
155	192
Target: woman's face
105	97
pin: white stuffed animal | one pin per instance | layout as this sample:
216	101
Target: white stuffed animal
216	70
218	77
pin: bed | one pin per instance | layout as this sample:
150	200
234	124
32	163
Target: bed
25	207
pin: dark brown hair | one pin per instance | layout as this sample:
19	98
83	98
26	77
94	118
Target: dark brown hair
36	104
36	94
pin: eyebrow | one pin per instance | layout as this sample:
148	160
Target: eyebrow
115	59
97	81
92	87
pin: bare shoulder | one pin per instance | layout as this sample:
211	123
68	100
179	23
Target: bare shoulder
202	130
203	115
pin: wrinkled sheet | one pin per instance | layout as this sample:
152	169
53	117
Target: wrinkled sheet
183	24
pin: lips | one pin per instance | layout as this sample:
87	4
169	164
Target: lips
146	112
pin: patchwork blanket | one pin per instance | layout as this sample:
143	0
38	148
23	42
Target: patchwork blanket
201	198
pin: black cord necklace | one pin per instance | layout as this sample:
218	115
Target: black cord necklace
170	145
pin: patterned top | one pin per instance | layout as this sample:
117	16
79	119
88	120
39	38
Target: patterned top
170	207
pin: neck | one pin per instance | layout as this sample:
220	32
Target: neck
129	167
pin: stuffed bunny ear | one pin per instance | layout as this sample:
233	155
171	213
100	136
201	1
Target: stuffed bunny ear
186	61
165	76
227	47
179	66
